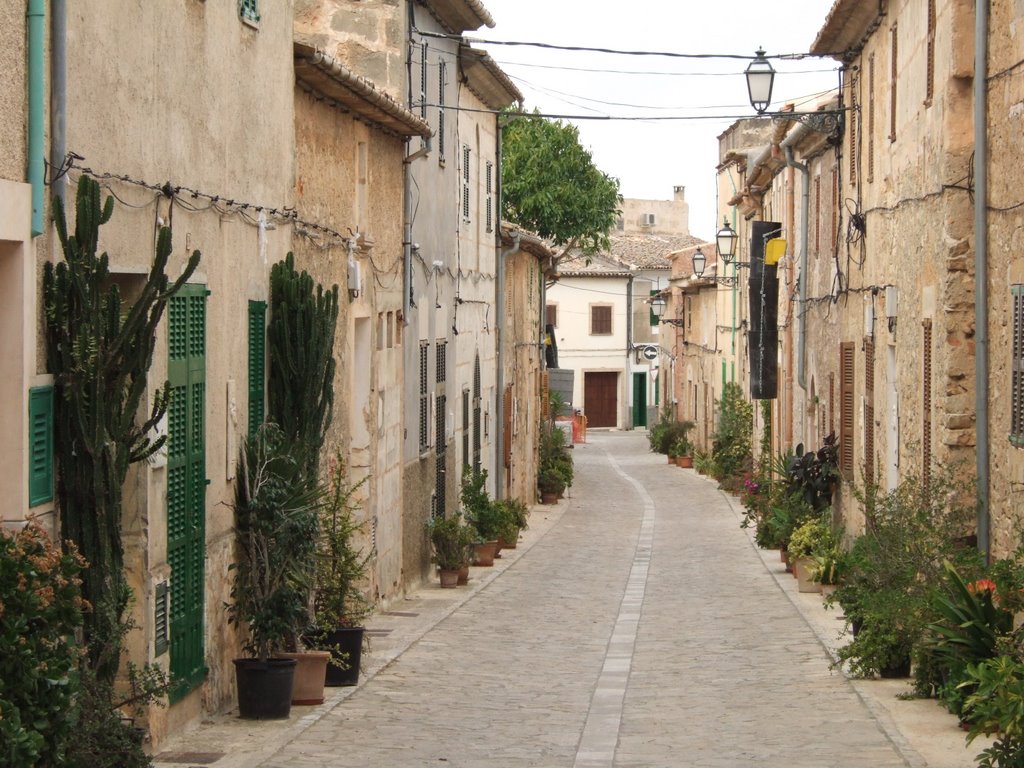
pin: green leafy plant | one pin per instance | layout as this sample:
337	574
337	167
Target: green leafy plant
341	563
452	541
551	186
812	536
815	473
100	353
40	610
276	506
891	570
731	445
997	706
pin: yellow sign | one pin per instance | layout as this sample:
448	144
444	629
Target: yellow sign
774	250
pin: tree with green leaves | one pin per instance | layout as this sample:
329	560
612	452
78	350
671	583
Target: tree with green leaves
551	186
100	353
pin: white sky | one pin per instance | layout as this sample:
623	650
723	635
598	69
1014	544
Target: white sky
649	157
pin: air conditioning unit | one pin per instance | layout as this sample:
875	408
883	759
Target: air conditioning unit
647	219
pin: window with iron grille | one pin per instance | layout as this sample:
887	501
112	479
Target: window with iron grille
465	182
600	320
441	360
551	315
846	404
424	397
442	75
249	11
1017	368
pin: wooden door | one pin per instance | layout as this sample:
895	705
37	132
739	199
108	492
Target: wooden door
600	398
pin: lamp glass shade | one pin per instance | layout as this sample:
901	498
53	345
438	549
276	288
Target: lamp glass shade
658	306
726	239
699	261
760	79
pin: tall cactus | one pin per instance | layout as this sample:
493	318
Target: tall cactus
300	393
100	358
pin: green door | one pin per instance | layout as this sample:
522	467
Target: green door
186	483
639	399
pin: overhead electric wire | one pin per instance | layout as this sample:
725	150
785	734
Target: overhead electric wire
655	73
617	51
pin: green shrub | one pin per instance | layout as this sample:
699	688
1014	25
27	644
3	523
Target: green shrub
731	445
40	610
891	570
997	706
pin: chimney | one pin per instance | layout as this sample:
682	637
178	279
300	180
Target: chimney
678	193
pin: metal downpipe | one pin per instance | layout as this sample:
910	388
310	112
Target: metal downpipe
981	393
36	19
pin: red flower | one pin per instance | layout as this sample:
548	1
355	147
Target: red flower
982	585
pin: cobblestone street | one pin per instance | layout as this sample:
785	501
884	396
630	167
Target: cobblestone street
637	626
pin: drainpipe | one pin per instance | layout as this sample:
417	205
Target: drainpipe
499	304
58	92
981	269
801	350
406	237
791	216
36	18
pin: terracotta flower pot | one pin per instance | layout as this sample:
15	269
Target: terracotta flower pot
463	575
684	461
449	578
548	497
310	672
485	552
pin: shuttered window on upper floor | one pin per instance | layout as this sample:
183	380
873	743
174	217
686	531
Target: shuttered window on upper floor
257	363
929	84
466	157
846	405
442	75
926	401
871	119
600	320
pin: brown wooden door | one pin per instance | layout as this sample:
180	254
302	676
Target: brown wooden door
600	399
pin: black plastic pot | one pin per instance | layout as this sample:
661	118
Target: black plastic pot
264	688
347	644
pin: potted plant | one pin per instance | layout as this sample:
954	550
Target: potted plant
810	537
551	483
683	452
452	541
515	514
339	605
275	522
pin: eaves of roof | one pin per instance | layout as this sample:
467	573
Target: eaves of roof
529	242
324	76
846	27
486	79
458	16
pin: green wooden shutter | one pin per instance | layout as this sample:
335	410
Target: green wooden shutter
40	466
186	484
160	628
257	363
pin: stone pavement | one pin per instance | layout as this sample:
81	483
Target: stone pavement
635	626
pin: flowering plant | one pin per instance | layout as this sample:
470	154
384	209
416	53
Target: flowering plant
40	609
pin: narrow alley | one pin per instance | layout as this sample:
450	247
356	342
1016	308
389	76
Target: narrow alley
635	626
